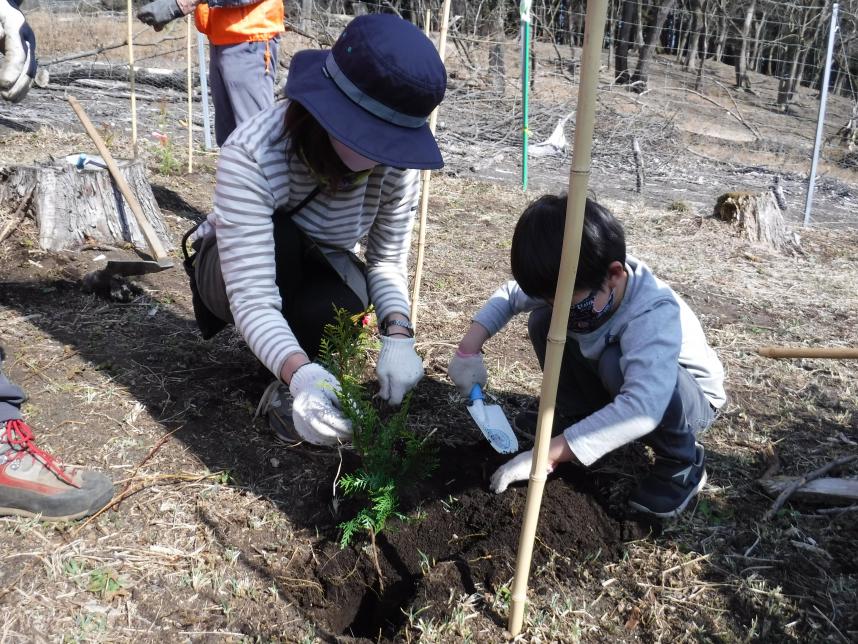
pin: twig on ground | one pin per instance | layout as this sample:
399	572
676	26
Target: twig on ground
639	166
815	474
17	216
104	48
830	623
125	493
847	508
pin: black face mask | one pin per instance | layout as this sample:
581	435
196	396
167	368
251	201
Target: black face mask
583	317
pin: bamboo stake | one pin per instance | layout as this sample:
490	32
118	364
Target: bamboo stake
838	353
525	88
578	178
131	78
190	97
425	175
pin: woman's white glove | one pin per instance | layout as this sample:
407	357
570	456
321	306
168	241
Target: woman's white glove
467	370
514	470
315	409
399	368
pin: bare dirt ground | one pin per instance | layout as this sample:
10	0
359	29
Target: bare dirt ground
222	534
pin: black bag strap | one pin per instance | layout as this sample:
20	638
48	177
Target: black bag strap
279	212
282	212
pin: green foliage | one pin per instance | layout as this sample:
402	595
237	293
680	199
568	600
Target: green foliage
391	456
165	157
345	344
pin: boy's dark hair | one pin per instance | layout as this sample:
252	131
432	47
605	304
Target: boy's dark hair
310	139
538	241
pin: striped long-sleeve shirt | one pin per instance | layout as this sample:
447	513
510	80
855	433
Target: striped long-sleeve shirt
255	176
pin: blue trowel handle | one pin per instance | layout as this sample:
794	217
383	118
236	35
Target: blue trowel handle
476	393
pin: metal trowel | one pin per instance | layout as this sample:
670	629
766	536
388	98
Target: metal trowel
492	423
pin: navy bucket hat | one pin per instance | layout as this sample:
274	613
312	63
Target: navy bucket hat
374	90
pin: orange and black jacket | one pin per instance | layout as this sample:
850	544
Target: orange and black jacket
229	22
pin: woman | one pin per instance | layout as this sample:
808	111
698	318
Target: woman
298	185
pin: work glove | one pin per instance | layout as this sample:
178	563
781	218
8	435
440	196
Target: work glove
399	368
467	370
315	409
514	470
18	67
159	13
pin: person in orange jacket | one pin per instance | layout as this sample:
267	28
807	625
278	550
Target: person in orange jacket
244	36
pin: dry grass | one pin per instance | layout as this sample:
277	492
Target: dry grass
203	545
192	552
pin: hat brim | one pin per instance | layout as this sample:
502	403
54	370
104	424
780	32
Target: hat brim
365	133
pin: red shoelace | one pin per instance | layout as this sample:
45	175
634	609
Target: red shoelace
20	437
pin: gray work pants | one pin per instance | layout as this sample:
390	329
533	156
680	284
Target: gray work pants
585	386
242	82
11	397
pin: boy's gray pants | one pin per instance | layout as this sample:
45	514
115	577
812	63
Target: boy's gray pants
586	386
242	83
11	397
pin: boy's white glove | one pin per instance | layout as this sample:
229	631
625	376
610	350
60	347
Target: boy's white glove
18	67
315	409
514	470
467	370
399	368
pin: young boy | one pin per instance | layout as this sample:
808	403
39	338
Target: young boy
636	363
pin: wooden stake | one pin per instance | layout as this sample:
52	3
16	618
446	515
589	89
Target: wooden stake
578	178
784	496
639	167
838	353
131	78
425	175
190	97
149	233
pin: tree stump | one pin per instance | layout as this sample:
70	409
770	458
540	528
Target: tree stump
756	216
76	205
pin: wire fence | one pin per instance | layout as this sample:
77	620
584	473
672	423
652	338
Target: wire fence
710	92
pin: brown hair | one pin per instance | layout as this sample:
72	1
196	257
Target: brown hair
310	140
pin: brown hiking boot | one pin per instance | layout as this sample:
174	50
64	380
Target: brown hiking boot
32	483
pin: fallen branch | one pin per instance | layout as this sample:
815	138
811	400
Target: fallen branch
639	166
848	508
738	117
784	496
18	215
125	491
103	48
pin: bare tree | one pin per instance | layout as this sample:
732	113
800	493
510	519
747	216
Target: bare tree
742	79
621	63
660	10
497	70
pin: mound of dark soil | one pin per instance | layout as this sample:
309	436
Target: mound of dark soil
463	536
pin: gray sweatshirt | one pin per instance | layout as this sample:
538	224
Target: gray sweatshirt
657	332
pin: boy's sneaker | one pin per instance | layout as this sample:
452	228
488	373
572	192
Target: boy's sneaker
32	483
276	404
670	486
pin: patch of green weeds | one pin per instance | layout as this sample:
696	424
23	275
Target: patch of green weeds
680	207
106	584
714	514
164	150
88	628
